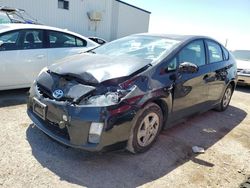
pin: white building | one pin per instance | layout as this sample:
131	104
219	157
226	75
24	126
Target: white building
108	19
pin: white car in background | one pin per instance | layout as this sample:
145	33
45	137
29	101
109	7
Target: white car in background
27	48
243	66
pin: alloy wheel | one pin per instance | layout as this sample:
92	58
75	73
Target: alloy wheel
227	97
148	129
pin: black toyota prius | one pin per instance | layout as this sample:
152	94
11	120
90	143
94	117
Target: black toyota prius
122	94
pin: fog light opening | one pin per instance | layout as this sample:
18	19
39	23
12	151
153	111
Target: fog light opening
62	125
95	132
65	118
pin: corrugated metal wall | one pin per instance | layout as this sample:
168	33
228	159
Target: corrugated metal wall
104	26
113	24
135	21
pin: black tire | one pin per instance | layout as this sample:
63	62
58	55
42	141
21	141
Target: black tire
225	100
152	115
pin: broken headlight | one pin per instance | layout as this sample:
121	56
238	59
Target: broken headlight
111	96
107	99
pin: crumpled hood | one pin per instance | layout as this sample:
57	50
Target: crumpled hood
241	64
95	68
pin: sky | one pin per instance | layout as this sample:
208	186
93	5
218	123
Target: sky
220	19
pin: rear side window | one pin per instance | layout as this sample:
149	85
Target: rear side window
9	41
214	51
63	40
226	53
193	53
33	39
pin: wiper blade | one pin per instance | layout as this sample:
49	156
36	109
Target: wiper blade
90	51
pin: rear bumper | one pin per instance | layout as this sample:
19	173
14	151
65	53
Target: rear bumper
243	79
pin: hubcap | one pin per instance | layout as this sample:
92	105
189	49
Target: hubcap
227	97
148	129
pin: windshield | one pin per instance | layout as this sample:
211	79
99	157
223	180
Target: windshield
144	47
18	16
4	18
242	54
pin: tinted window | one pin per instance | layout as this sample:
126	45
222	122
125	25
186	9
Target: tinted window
172	65
81	43
9	41
63	40
214	51
63	4
33	39
193	53
226	53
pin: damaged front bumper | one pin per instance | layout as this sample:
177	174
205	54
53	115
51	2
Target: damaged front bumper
71	124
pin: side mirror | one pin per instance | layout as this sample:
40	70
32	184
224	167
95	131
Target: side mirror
187	67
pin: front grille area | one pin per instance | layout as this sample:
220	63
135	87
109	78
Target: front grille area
54	128
44	92
48	94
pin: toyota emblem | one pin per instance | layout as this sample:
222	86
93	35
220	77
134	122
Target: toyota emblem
58	94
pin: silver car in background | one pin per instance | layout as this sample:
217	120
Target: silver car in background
243	66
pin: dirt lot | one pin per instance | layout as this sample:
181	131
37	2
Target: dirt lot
28	158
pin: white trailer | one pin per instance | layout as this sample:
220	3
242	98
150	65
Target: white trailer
108	19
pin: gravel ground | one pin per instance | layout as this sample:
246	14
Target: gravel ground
28	158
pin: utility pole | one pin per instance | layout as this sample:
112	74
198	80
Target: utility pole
226	42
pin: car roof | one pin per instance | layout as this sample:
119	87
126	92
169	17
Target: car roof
181	38
15	26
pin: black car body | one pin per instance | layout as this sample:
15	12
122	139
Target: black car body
98	40
124	97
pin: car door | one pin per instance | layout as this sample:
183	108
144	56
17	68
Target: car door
218	71
22	57
190	89
62	45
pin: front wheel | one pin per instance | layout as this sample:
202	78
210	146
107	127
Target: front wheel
226	98
147	126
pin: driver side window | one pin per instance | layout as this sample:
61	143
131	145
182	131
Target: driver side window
9	41
172	65
193	53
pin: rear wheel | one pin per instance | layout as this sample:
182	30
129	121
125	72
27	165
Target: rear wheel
226	98
146	128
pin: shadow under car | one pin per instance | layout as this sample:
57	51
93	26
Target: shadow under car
122	169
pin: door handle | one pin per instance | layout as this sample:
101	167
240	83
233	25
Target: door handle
40	56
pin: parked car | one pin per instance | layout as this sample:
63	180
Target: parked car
27	48
123	93
98	40
243	64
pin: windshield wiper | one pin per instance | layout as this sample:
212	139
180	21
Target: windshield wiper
90	51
